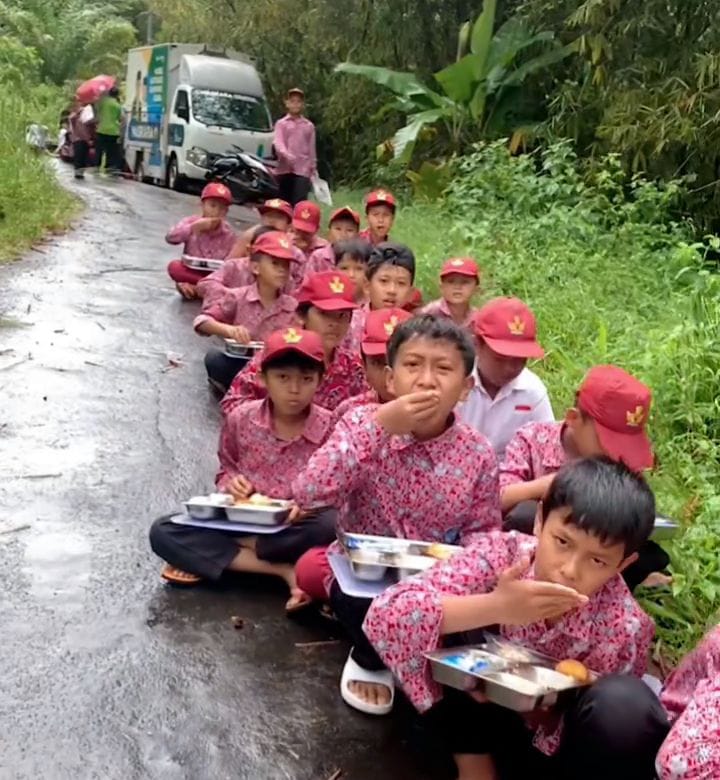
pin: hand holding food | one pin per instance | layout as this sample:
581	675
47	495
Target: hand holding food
575	669
239	333
240	488
205	225
405	413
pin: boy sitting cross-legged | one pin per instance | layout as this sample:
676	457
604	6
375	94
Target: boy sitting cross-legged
264	445
407	469
559	593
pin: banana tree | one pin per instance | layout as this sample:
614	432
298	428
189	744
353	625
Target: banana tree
475	93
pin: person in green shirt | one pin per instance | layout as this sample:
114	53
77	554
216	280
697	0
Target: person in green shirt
109	119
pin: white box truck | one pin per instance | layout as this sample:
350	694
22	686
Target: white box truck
187	104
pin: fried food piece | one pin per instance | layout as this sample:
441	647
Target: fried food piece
575	669
440	551
258	499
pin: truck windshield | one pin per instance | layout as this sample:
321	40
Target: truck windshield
225	109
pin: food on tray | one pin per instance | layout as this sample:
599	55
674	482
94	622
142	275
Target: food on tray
258	499
575	669
440	551
513	655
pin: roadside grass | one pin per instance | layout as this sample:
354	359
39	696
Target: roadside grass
32	203
612	280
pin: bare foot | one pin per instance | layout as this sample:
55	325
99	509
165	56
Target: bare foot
187	290
656	580
370	693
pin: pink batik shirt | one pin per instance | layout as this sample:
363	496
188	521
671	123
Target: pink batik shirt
214	245
295	146
533	452
610	634
440	308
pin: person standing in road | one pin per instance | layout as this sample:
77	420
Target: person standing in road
81	132
295	148
109	118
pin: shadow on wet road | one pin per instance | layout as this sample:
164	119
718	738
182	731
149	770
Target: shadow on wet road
106	672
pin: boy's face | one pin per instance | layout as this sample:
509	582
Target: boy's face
497	370
376	374
302	239
214	208
291	389
342	230
567	555
458	289
380	219
294	105
389	287
331	326
272	271
583	434
356	271
276	220
424	364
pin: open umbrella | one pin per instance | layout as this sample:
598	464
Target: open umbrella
92	89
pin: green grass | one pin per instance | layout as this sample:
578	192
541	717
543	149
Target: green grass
32	203
612	280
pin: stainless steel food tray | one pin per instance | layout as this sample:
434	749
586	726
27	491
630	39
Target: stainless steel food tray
201	263
219	506
236	349
385	552
665	528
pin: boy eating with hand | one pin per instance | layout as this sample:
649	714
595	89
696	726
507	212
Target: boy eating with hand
208	236
264	445
505	394
380	208
250	313
405	469
275	214
459	282
558	593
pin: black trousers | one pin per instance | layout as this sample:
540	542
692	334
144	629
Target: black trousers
651	557
351	611
108	146
293	188
611	731
223	369
81	152
208	552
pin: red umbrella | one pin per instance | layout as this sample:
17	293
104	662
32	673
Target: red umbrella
92	89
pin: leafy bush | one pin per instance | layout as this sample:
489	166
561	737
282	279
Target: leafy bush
612	279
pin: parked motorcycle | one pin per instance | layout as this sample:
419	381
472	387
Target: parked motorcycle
249	178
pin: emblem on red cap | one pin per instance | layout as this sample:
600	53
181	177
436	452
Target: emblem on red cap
284	243
391	324
457	262
305	214
337	285
635	419
291	336
381	195
516	326
274	203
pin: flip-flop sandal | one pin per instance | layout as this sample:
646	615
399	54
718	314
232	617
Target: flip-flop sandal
298	606
352	672
178	576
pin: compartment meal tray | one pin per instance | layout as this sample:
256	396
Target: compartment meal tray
236	349
219	507
389	552
201	263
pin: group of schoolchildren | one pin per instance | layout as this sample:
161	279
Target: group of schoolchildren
374	414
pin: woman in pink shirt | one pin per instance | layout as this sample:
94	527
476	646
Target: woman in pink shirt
295	149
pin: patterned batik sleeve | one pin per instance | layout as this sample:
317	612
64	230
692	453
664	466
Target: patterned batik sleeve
485	499
516	465
245	387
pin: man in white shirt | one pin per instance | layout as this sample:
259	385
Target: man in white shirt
506	394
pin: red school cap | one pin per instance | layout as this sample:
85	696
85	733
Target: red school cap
345	213
276	204
465	266
380	198
276	244
306	217
380	324
295	91
619	406
216	189
328	291
414	301
304	342
508	327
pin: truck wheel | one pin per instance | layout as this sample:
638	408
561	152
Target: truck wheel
173	179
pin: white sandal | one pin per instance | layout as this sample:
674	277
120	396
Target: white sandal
352	672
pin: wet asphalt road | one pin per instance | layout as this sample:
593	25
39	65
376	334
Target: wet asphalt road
105	672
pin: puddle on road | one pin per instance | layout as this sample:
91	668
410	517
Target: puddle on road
58	566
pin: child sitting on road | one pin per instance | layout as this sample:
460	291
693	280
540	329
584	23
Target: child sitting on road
379	327
389	275
275	214
343	226
691	697
558	593
250	313
609	417
325	303
208	236
459	282
305	226
405	469
380	208
264	445
506	394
